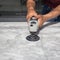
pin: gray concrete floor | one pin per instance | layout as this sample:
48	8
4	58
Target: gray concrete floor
14	46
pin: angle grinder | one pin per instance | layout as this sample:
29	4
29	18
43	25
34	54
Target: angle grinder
33	28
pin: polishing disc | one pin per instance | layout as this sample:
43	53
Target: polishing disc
32	38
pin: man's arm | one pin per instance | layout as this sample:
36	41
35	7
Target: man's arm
54	13
30	5
31	9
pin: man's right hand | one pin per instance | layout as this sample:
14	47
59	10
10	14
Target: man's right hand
31	13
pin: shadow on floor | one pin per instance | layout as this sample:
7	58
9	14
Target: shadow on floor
46	25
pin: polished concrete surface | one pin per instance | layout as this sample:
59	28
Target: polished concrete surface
14	46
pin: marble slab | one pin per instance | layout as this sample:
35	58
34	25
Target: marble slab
14	46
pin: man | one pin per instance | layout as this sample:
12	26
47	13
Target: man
54	4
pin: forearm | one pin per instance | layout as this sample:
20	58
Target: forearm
30	5
54	13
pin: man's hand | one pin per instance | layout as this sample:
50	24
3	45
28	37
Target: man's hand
31	13
30	9
41	20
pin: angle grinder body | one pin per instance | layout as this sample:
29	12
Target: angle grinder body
33	25
33	28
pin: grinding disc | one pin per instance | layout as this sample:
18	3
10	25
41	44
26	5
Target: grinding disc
32	38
